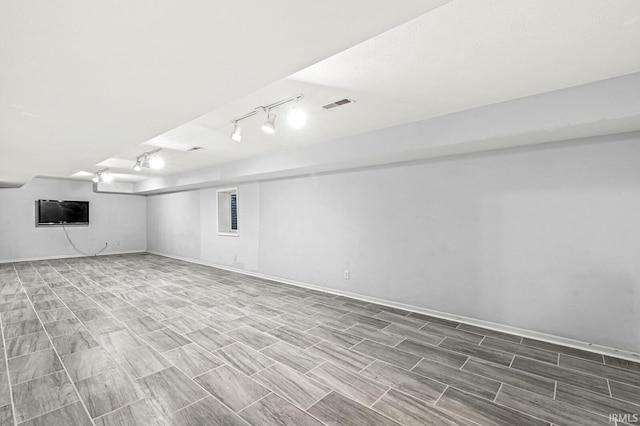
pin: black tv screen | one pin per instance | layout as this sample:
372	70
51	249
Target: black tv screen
58	212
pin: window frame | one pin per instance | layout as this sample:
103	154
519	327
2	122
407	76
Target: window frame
228	232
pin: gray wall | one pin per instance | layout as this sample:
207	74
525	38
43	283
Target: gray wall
184	224
173	223
544	238
119	220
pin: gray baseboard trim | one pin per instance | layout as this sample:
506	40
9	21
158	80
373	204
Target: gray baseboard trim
68	256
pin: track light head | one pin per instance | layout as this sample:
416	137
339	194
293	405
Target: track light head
106	176
156	162
297	117
269	126
236	135
95	179
149	160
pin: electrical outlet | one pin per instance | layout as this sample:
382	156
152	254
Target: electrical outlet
346	275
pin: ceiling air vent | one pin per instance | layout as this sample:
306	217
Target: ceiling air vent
338	103
195	148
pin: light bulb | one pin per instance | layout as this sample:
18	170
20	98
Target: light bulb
269	126
156	163
107	177
297	118
236	135
137	167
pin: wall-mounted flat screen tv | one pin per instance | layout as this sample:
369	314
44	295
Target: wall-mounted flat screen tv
59	212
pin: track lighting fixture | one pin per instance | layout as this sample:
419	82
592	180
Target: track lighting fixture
236	135
156	163
269	126
103	176
107	176
149	160
296	118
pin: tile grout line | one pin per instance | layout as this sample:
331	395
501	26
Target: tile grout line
453	413
316	401
328	360
51	341
118	409
208	394
510	408
368	365
135	381
307	410
48	412
355	402
109	354
416	364
260	351
379	398
65	307
464	363
168	277
521	338
44	375
495	398
596	374
406	371
193	403
258	280
6	364
262	369
317	366
255	402
441	394
266	386
183	298
314	345
206	372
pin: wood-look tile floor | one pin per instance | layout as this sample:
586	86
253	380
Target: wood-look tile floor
146	340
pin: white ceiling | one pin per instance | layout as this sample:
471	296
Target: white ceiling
462	55
82	81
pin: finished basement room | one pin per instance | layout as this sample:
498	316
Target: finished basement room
330	213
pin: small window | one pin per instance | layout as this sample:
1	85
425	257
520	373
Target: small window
228	211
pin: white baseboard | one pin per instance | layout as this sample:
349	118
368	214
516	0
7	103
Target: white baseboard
549	338
68	256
